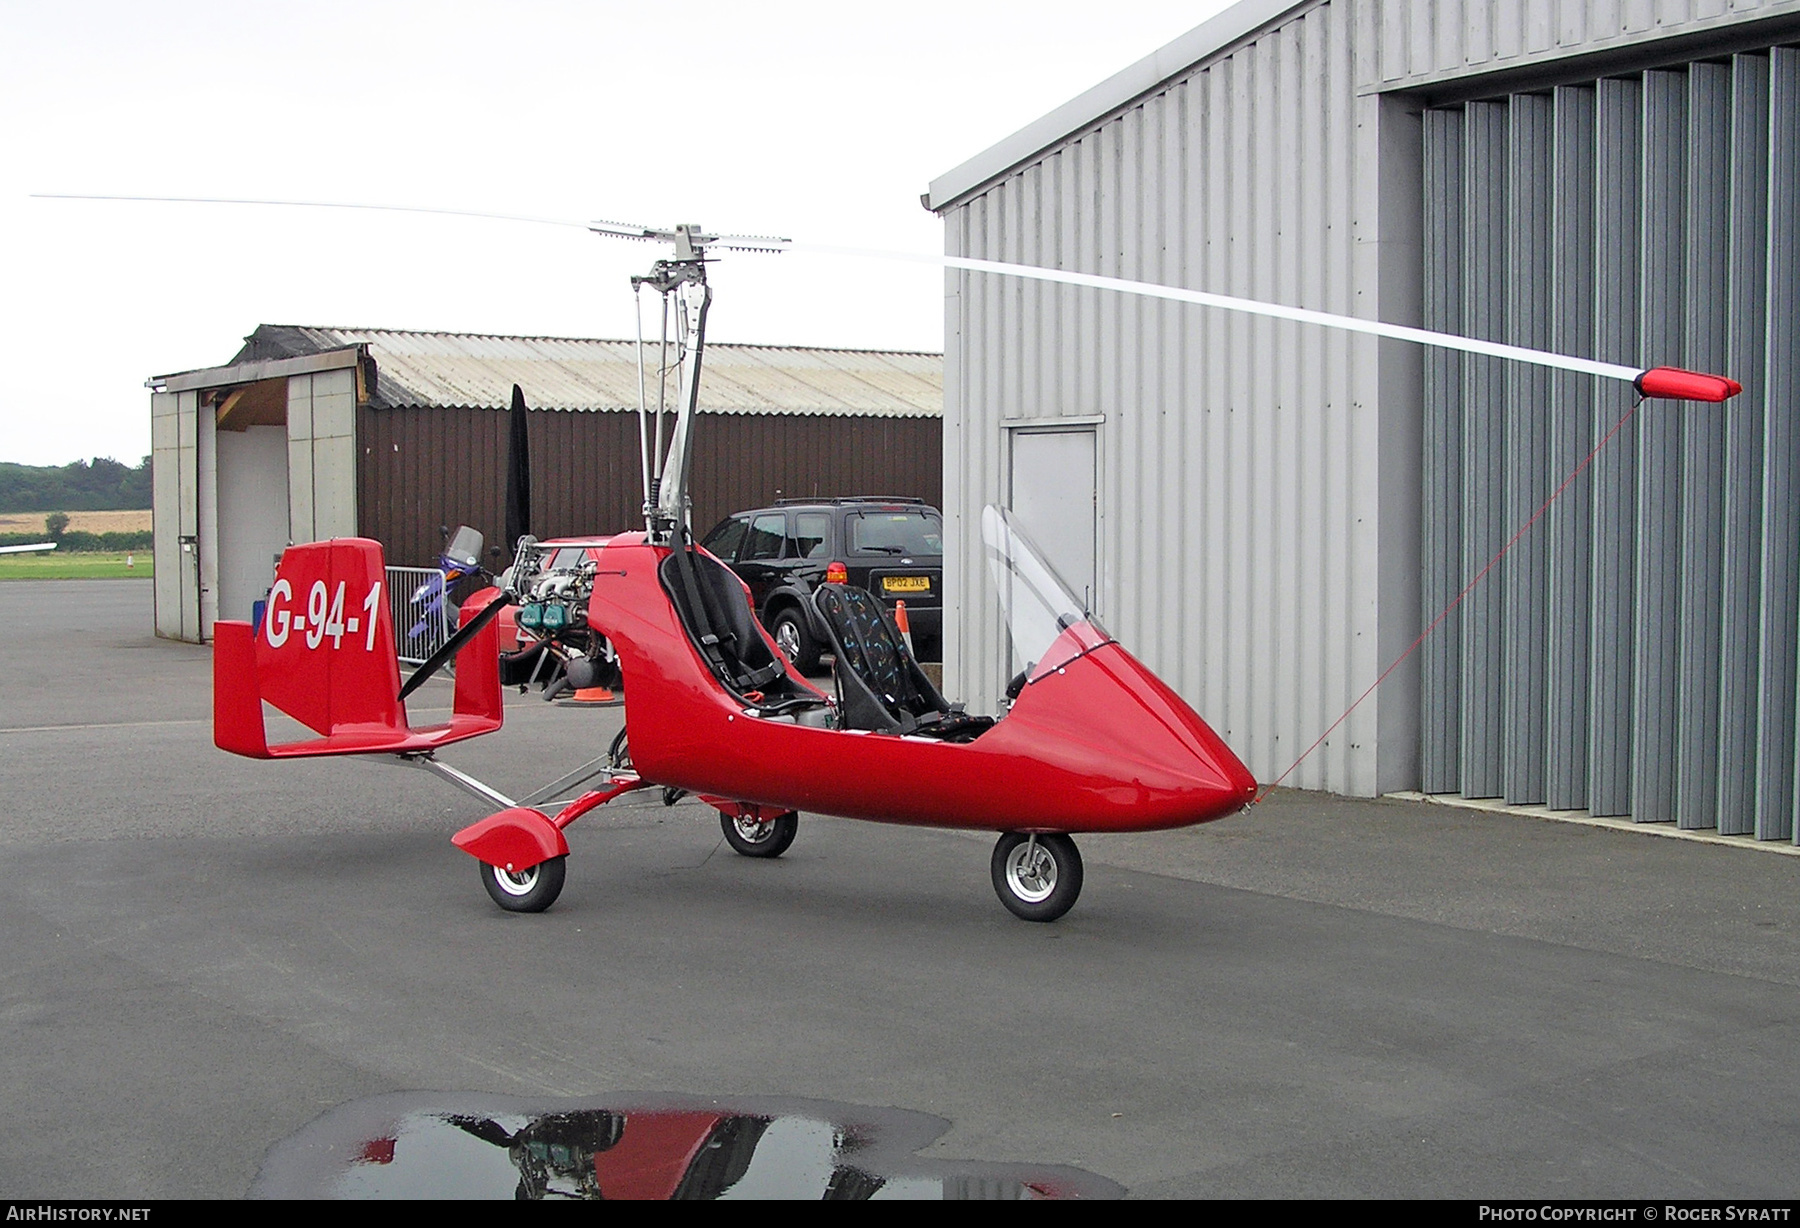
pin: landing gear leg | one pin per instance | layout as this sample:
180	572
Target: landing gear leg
1036	877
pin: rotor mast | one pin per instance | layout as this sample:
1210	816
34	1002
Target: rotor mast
680	283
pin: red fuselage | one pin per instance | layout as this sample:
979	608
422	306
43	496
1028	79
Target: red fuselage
1099	744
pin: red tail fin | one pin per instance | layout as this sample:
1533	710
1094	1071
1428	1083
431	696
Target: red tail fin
325	656
326	653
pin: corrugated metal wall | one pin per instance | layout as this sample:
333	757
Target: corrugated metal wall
422	468
1240	529
1635	654
1426	42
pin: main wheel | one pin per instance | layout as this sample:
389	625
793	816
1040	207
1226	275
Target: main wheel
1037	878
754	839
531	890
795	641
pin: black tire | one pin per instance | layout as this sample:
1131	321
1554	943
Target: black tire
1040	882
754	839
795	641
533	890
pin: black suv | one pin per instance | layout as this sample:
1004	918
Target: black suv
893	547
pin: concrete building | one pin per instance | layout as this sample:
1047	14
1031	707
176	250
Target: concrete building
311	433
1271	513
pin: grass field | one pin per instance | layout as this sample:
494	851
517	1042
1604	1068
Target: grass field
55	565
81	522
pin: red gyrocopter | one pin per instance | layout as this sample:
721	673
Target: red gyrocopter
1090	741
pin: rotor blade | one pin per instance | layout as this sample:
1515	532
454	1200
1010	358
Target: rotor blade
751	243
630	230
1659	381
454	644
315	204
1300	315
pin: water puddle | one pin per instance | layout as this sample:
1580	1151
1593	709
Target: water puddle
454	1145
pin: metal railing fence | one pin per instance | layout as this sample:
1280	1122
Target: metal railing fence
424	617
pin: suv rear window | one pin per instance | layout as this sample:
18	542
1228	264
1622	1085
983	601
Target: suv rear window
895	533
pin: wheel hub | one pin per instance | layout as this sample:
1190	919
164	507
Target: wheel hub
787	638
516	883
751	829
1031	872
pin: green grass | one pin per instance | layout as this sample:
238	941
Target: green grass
54	565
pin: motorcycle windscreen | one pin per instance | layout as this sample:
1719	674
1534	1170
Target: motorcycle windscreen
1049	624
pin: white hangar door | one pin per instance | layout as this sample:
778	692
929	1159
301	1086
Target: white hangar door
1053	489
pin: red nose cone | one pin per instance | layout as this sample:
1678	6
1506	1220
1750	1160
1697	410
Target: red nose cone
1136	756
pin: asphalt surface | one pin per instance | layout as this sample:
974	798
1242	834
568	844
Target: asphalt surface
202	955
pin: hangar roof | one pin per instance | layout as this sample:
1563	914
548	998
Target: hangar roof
1488	46
1222	30
571	373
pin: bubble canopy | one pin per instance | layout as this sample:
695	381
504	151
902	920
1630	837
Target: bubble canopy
1049	624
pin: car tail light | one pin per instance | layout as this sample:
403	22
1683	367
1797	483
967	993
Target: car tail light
837	573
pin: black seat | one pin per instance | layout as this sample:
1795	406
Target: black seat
716	615
880	685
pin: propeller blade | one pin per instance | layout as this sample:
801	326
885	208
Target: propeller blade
454	644
518	472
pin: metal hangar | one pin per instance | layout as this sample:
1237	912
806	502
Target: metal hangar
1270	513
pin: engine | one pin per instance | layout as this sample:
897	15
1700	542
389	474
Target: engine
557	649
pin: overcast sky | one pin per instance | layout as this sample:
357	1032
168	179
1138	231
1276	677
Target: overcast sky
818	121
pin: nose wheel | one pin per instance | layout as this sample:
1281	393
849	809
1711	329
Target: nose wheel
530	890
1037	877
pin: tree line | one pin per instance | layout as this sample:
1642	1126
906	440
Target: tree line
78	541
100	485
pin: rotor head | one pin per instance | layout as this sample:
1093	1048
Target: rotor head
689	240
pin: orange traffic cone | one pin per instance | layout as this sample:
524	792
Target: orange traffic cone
903	627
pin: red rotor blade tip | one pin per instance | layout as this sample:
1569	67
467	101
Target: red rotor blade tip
1677	385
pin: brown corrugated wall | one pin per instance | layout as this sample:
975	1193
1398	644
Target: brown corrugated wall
419	468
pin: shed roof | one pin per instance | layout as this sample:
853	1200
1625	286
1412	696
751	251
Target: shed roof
573	373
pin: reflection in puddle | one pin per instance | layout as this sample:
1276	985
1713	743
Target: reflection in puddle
449	1145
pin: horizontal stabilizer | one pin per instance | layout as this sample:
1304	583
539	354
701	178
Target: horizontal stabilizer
325	656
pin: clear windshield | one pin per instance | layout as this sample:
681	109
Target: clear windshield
465	548
1040	608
